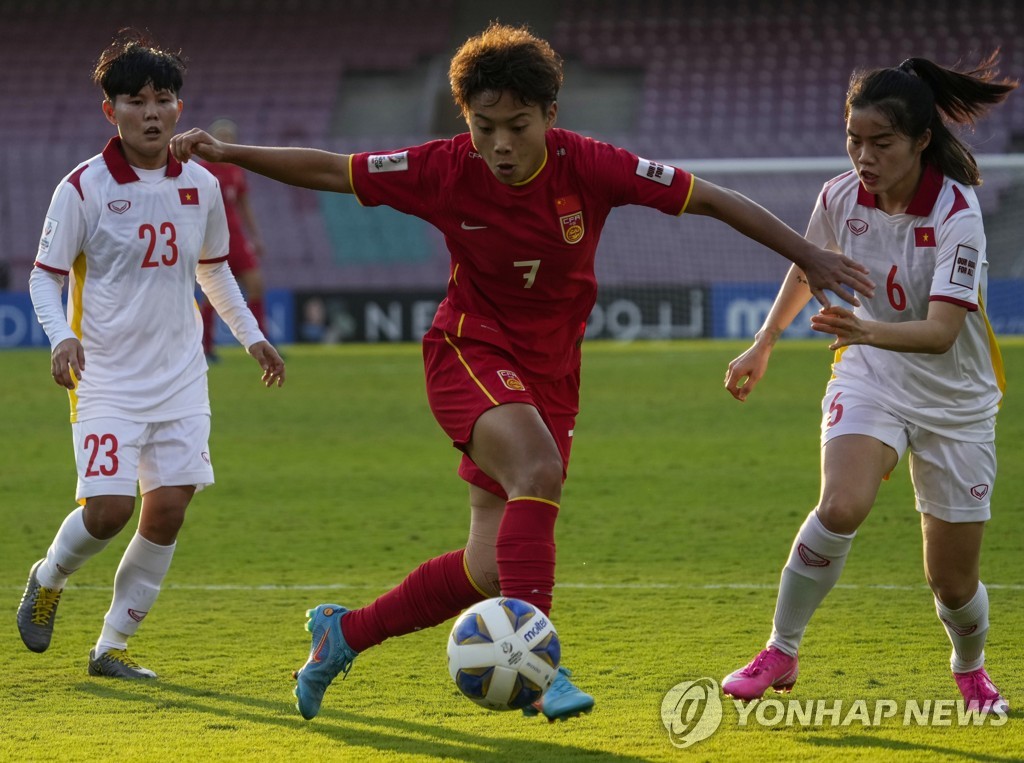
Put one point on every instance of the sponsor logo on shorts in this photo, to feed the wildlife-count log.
(511, 380)
(205, 456)
(812, 558)
(388, 162)
(979, 491)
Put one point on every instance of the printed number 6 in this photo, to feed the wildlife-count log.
(897, 297)
(835, 408)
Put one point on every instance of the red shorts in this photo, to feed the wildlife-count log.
(466, 377)
(241, 255)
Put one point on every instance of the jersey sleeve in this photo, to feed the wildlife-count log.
(216, 240)
(625, 178)
(959, 260)
(64, 230)
(819, 230)
(408, 180)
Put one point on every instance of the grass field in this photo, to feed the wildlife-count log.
(677, 517)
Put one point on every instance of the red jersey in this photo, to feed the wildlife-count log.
(522, 257)
(232, 187)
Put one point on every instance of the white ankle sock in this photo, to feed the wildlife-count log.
(72, 547)
(815, 562)
(967, 629)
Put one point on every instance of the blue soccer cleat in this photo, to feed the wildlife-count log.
(562, 700)
(328, 656)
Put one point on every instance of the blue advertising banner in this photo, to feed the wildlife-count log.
(19, 327)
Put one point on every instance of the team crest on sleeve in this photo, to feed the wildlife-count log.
(964, 264)
(388, 162)
(570, 218)
(511, 380)
(659, 173)
(49, 229)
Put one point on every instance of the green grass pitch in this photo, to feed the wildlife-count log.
(676, 519)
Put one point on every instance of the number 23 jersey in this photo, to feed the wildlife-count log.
(130, 241)
(934, 251)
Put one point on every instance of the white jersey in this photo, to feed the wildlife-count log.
(131, 241)
(933, 251)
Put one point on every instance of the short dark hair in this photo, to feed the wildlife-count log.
(133, 61)
(506, 59)
(919, 95)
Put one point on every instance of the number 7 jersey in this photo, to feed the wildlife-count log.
(130, 241)
(935, 251)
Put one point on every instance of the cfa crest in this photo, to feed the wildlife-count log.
(511, 380)
(572, 227)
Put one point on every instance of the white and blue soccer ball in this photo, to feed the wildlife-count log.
(503, 653)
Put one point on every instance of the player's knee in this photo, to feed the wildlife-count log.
(105, 516)
(952, 589)
(541, 477)
(842, 514)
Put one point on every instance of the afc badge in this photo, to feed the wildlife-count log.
(511, 380)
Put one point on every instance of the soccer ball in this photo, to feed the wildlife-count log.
(503, 653)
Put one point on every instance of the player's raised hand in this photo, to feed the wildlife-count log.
(199, 143)
(67, 362)
(270, 361)
(839, 274)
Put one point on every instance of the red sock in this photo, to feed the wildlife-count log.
(256, 308)
(526, 551)
(429, 595)
(207, 312)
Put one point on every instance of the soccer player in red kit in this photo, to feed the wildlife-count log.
(521, 204)
(245, 248)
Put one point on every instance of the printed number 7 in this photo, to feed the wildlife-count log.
(531, 274)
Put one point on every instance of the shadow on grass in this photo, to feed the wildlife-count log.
(892, 745)
(348, 728)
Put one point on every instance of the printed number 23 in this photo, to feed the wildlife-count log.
(169, 256)
(530, 275)
(105, 445)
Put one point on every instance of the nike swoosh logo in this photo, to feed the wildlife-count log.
(316, 657)
(472, 227)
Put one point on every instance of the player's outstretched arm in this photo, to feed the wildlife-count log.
(823, 269)
(270, 361)
(303, 167)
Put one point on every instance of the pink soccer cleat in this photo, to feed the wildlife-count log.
(980, 693)
(771, 669)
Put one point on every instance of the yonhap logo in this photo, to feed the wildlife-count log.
(691, 711)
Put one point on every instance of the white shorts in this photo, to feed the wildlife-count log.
(952, 479)
(115, 455)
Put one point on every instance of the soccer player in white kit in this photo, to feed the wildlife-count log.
(133, 230)
(916, 366)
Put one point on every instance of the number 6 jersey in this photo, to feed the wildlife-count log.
(933, 251)
(130, 240)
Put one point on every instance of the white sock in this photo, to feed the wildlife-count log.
(136, 586)
(967, 629)
(72, 547)
(815, 562)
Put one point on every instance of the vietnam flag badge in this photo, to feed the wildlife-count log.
(188, 196)
(924, 236)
